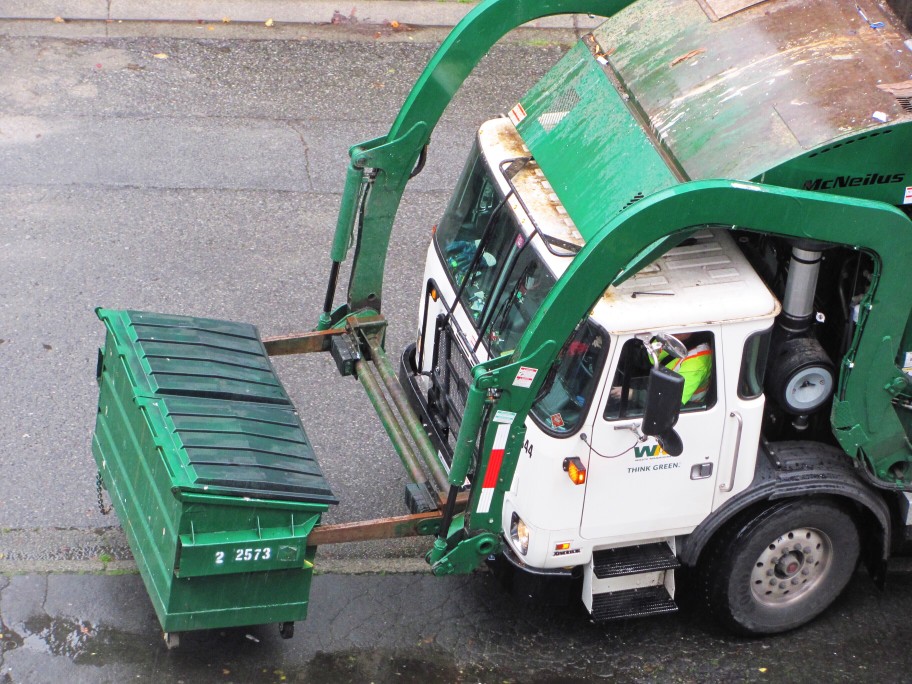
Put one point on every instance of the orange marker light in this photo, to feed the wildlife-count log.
(576, 470)
(563, 546)
(434, 294)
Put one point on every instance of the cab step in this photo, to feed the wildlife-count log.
(631, 581)
(629, 560)
(632, 603)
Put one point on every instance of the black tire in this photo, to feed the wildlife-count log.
(778, 569)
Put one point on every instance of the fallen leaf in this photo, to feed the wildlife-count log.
(394, 23)
(269, 23)
(210, 28)
(226, 20)
(762, 669)
(135, 67)
(377, 34)
(160, 55)
(59, 20)
(46, 346)
(226, 671)
(692, 53)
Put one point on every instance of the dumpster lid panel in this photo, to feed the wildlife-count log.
(189, 356)
(239, 448)
(218, 412)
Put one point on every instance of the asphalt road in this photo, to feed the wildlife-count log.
(202, 177)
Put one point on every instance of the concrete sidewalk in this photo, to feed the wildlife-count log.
(367, 12)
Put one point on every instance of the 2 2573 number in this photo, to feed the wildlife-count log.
(245, 555)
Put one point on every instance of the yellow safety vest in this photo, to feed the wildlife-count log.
(696, 369)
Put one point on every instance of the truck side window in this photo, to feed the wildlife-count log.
(753, 365)
(567, 392)
(627, 396)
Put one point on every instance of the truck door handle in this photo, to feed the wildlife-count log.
(734, 470)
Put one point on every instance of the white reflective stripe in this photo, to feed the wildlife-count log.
(484, 501)
(500, 438)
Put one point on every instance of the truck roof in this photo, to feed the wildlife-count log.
(812, 94)
(704, 280)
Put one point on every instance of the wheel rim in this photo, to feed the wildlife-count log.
(791, 566)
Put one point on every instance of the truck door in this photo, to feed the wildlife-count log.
(634, 488)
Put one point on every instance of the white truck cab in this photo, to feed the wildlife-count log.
(624, 489)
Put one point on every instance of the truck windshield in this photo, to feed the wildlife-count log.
(506, 282)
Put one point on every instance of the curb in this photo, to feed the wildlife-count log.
(354, 12)
(106, 551)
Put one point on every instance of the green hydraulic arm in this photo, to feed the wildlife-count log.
(379, 169)
(863, 417)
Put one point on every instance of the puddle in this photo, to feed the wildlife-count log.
(81, 642)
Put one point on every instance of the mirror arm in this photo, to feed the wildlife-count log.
(634, 428)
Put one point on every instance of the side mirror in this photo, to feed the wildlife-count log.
(663, 406)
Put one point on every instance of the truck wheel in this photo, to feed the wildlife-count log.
(776, 570)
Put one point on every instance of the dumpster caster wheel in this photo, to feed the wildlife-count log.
(172, 640)
(286, 630)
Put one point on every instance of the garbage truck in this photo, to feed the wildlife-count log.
(663, 334)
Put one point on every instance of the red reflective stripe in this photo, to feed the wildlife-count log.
(490, 478)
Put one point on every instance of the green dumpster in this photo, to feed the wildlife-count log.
(209, 469)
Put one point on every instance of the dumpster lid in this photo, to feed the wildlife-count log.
(219, 413)
(218, 446)
(200, 357)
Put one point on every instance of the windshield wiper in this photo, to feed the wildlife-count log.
(506, 304)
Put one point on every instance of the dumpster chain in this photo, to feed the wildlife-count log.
(99, 485)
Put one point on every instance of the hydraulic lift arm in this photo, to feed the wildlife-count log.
(379, 169)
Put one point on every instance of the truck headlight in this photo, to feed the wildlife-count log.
(519, 532)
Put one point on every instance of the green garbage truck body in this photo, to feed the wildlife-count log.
(664, 321)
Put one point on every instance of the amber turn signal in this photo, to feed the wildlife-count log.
(575, 469)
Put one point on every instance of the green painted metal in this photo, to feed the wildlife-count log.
(216, 493)
(475, 535)
(347, 213)
(575, 107)
(638, 124)
(770, 82)
(393, 157)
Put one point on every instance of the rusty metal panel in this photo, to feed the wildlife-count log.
(737, 97)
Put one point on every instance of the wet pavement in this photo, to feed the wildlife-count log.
(417, 628)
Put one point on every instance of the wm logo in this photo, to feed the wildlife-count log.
(649, 451)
